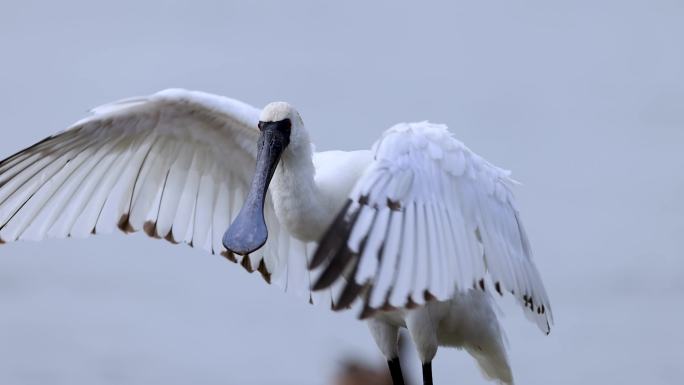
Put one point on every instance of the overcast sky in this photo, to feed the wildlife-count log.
(583, 100)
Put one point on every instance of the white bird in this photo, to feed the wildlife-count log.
(417, 228)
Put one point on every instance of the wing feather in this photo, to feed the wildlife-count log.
(85, 178)
(112, 166)
(150, 185)
(459, 228)
(205, 206)
(31, 197)
(388, 259)
(23, 184)
(183, 225)
(373, 246)
(401, 292)
(173, 188)
(116, 209)
(175, 164)
(221, 215)
(17, 201)
(421, 262)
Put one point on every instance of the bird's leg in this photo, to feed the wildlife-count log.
(422, 327)
(395, 371)
(427, 373)
(386, 336)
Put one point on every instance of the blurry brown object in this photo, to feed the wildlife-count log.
(357, 373)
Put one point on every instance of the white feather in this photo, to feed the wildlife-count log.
(459, 225)
(177, 161)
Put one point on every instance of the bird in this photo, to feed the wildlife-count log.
(418, 232)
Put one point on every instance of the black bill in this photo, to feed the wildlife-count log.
(248, 231)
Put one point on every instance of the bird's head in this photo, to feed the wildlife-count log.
(281, 133)
(282, 115)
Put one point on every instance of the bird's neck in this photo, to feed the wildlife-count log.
(297, 200)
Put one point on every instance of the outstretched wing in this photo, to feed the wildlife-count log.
(175, 164)
(428, 218)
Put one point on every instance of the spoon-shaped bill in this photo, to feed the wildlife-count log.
(248, 231)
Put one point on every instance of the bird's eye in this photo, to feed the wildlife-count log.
(286, 127)
(260, 125)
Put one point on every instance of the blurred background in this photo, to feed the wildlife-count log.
(583, 100)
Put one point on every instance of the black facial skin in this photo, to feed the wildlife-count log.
(248, 231)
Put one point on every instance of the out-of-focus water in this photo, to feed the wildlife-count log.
(583, 100)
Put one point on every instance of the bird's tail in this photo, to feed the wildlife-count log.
(484, 338)
(493, 364)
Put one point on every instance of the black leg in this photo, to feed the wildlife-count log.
(395, 371)
(427, 373)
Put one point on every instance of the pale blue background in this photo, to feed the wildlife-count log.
(584, 100)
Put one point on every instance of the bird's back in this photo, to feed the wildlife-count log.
(337, 172)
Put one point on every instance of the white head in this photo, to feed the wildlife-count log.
(284, 114)
(282, 135)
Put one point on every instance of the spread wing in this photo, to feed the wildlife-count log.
(427, 219)
(175, 164)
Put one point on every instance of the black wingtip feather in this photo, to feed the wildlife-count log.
(349, 294)
(334, 237)
(497, 286)
(334, 269)
(265, 274)
(247, 264)
(229, 256)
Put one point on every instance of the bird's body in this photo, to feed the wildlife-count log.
(465, 321)
(416, 227)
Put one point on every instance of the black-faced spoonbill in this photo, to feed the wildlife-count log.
(416, 228)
